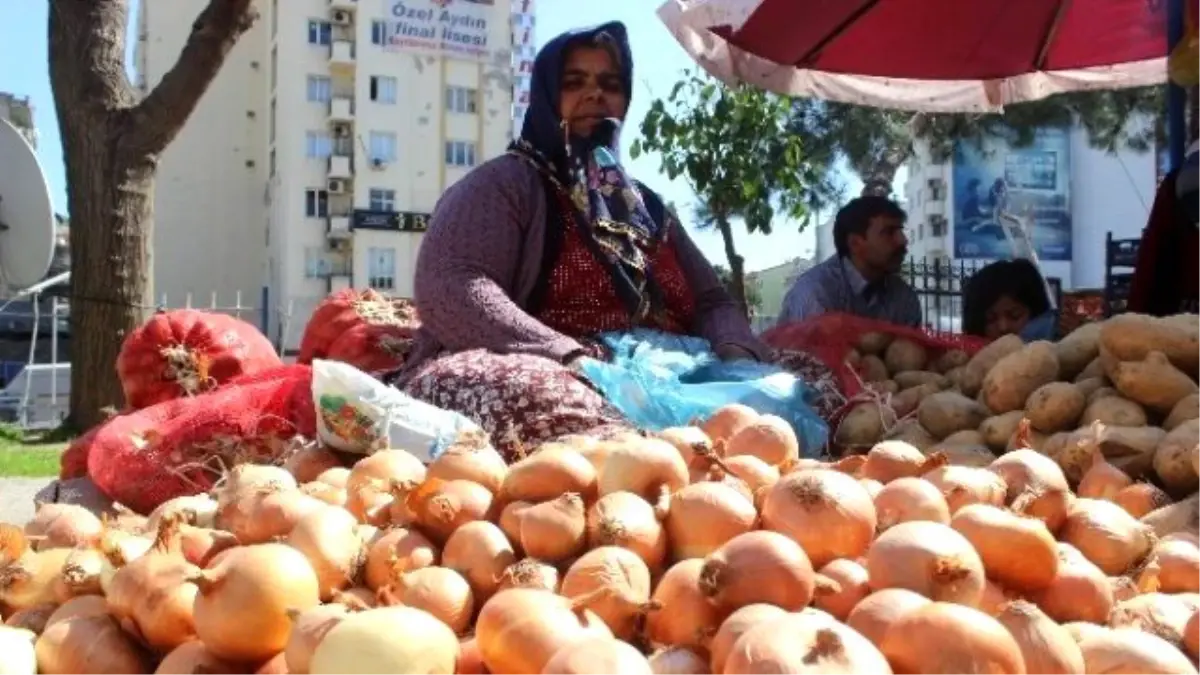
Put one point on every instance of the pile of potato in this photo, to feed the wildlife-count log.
(1126, 385)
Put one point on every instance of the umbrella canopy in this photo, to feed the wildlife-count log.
(925, 55)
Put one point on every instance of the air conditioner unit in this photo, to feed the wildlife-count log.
(342, 17)
(336, 186)
(378, 163)
(341, 130)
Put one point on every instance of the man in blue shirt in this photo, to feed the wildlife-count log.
(862, 278)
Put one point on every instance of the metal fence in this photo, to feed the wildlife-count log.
(35, 352)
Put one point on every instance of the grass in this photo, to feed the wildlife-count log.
(30, 454)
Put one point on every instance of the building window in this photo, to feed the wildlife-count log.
(319, 32)
(381, 268)
(317, 144)
(379, 32)
(461, 100)
(460, 153)
(319, 88)
(316, 203)
(937, 227)
(382, 200)
(383, 89)
(316, 265)
(382, 145)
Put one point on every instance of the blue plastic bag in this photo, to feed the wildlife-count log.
(658, 380)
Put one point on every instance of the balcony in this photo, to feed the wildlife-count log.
(341, 166)
(341, 54)
(935, 207)
(341, 109)
(345, 5)
(335, 264)
(339, 226)
(339, 283)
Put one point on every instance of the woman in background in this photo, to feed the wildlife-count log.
(1008, 297)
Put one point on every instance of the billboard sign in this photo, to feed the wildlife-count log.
(1032, 183)
(457, 28)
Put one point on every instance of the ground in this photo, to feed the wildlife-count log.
(27, 463)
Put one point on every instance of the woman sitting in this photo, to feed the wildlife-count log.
(536, 252)
(1008, 298)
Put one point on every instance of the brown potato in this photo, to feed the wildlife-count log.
(904, 355)
(863, 425)
(977, 368)
(1188, 408)
(946, 412)
(1093, 369)
(907, 400)
(1055, 406)
(1173, 459)
(874, 343)
(1113, 410)
(872, 369)
(910, 431)
(997, 430)
(949, 360)
(1154, 382)
(1009, 383)
(1077, 349)
(1132, 337)
(1090, 385)
(1130, 449)
(916, 378)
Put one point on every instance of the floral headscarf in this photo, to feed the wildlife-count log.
(592, 189)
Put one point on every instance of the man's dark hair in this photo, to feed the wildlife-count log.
(855, 218)
(1018, 279)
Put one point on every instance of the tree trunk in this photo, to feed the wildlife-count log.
(111, 144)
(881, 174)
(737, 268)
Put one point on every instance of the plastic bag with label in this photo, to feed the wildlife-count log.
(357, 413)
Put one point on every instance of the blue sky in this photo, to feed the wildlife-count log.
(659, 61)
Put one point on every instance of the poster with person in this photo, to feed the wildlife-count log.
(1007, 198)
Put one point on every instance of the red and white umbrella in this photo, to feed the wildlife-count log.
(925, 55)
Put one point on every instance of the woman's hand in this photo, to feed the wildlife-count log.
(732, 352)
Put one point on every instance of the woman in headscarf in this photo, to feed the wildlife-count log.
(1008, 297)
(535, 252)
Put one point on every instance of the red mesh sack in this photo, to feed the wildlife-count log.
(831, 337)
(301, 411)
(73, 462)
(181, 447)
(342, 311)
(186, 352)
(373, 347)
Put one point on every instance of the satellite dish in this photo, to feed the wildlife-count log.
(26, 214)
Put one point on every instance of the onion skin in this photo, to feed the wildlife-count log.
(962, 485)
(967, 641)
(191, 657)
(1037, 486)
(308, 629)
(89, 644)
(1107, 535)
(1126, 650)
(727, 421)
(769, 438)
(1080, 591)
(805, 642)
(63, 526)
(530, 573)
(906, 499)
(927, 558)
(827, 512)
(440, 591)
(840, 586)
(1191, 635)
(759, 567)
(682, 614)
(372, 477)
(878, 611)
(472, 459)
(520, 629)
(556, 530)
(626, 520)
(677, 661)
(1046, 647)
(733, 627)
(546, 474)
(1017, 552)
(328, 539)
(1141, 499)
(704, 516)
(396, 551)
(241, 611)
(891, 460)
(597, 655)
(624, 584)
(1173, 568)
(480, 552)
(387, 640)
(1156, 613)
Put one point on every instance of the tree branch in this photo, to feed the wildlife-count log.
(87, 56)
(155, 122)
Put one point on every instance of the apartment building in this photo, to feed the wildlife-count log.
(314, 161)
(19, 113)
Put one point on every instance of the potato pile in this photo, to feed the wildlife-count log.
(1125, 387)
